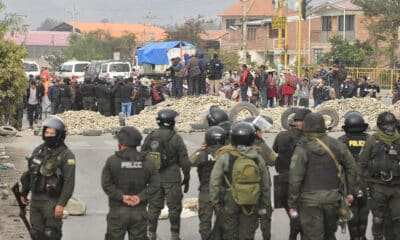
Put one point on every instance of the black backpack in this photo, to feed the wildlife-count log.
(160, 145)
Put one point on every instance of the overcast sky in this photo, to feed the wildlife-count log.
(160, 12)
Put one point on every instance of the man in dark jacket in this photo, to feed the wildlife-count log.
(194, 76)
(215, 74)
(124, 93)
(33, 98)
(203, 68)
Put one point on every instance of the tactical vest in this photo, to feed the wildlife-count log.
(286, 150)
(204, 170)
(385, 160)
(133, 177)
(88, 90)
(63, 92)
(321, 172)
(161, 143)
(45, 171)
(354, 143)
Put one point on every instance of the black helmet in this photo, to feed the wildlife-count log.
(227, 127)
(166, 118)
(215, 135)
(314, 123)
(387, 122)
(300, 114)
(243, 133)
(216, 115)
(354, 122)
(56, 123)
(129, 136)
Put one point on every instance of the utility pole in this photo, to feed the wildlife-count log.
(73, 13)
(245, 29)
(280, 15)
(299, 39)
(286, 36)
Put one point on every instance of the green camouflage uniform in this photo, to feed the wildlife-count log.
(358, 224)
(64, 96)
(236, 224)
(376, 158)
(170, 178)
(284, 145)
(128, 172)
(89, 96)
(270, 158)
(58, 161)
(314, 184)
(103, 97)
(204, 160)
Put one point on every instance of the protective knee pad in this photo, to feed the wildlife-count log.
(377, 220)
(36, 234)
(51, 234)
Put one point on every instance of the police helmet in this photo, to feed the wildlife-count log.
(216, 116)
(129, 136)
(300, 114)
(215, 135)
(291, 122)
(314, 123)
(387, 122)
(354, 122)
(57, 124)
(166, 118)
(243, 133)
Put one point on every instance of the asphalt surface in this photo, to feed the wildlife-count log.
(91, 154)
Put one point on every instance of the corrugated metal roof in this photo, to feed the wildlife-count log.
(40, 38)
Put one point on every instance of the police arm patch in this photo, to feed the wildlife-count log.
(71, 161)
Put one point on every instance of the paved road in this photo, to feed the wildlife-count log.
(91, 153)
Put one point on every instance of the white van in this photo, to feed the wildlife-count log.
(71, 69)
(31, 68)
(110, 70)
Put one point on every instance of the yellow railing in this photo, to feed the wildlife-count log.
(385, 77)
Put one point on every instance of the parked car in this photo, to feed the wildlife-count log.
(113, 69)
(72, 69)
(93, 70)
(31, 67)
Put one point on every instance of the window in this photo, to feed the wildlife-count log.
(349, 23)
(30, 67)
(104, 68)
(318, 53)
(230, 22)
(80, 67)
(251, 34)
(326, 23)
(119, 67)
(66, 68)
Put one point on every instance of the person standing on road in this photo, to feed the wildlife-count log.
(177, 70)
(284, 145)
(174, 157)
(239, 184)
(215, 68)
(246, 79)
(204, 160)
(53, 93)
(129, 179)
(354, 139)
(51, 180)
(379, 163)
(103, 98)
(194, 74)
(203, 75)
(64, 96)
(315, 180)
(33, 96)
(125, 93)
(88, 95)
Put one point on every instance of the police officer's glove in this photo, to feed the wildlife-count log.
(185, 182)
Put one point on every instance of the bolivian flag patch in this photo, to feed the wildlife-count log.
(71, 161)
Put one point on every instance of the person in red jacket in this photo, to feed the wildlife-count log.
(288, 89)
(244, 82)
(272, 91)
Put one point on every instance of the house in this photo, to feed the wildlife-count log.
(328, 19)
(143, 32)
(41, 43)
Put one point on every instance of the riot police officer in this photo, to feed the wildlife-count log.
(64, 96)
(240, 205)
(129, 179)
(50, 178)
(354, 139)
(89, 95)
(103, 97)
(173, 157)
(284, 145)
(379, 162)
(261, 125)
(204, 160)
(218, 117)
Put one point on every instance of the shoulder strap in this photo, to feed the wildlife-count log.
(329, 151)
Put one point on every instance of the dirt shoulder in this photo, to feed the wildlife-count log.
(11, 226)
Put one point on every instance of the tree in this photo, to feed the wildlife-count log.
(189, 31)
(386, 28)
(13, 81)
(348, 54)
(48, 24)
(99, 45)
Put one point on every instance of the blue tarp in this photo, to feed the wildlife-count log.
(156, 53)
